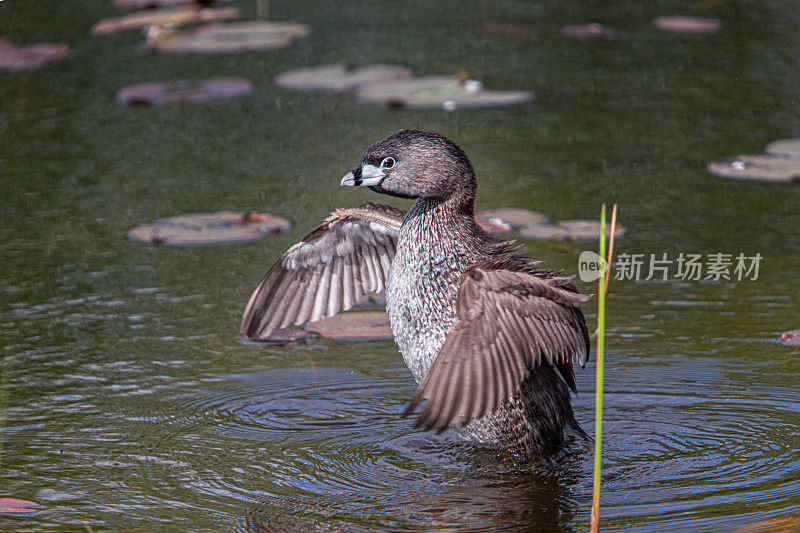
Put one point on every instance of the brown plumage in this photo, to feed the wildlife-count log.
(489, 336)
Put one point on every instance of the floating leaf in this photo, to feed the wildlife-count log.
(372, 326)
(15, 507)
(492, 224)
(448, 93)
(785, 148)
(593, 30)
(232, 37)
(688, 24)
(177, 17)
(161, 92)
(786, 524)
(282, 337)
(545, 232)
(514, 216)
(758, 167)
(132, 5)
(588, 230)
(339, 78)
(209, 228)
(14, 58)
(791, 337)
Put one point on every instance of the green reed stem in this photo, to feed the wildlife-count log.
(598, 405)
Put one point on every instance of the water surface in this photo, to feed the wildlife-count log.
(129, 404)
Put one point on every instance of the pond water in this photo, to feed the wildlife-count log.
(128, 403)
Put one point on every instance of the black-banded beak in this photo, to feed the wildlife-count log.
(364, 176)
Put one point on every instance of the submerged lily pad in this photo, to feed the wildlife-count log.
(758, 167)
(588, 230)
(785, 148)
(14, 58)
(283, 337)
(15, 507)
(161, 92)
(209, 228)
(449, 93)
(791, 337)
(232, 37)
(371, 326)
(338, 77)
(593, 30)
(688, 24)
(178, 17)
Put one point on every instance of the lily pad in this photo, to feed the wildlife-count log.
(371, 326)
(492, 224)
(209, 228)
(14, 58)
(588, 230)
(15, 507)
(338, 77)
(448, 93)
(132, 5)
(545, 232)
(283, 337)
(785, 148)
(514, 216)
(688, 24)
(161, 92)
(177, 17)
(232, 37)
(593, 30)
(791, 337)
(758, 167)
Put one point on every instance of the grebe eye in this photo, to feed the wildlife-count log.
(388, 162)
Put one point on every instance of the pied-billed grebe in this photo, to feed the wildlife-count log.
(489, 337)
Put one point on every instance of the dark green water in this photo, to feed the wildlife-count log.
(129, 404)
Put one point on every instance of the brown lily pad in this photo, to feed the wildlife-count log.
(283, 337)
(135, 5)
(688, 24)
(338, 77)
(15, 507)
(14, 58)
(791, 337)
(784, 524)
(545, 232)
(514, 216)
(209, 228)
(588, 230)
(785, 148)
(448, 93)
(593, 30)
(758, 167)
(231, 37)
(161, 92)
(177, 17)
(492, 224)
(371, 326)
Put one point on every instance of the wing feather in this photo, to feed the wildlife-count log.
(328, 271)
(510, 318)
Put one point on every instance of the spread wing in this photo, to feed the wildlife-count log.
(328, 271)
(510, 318)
